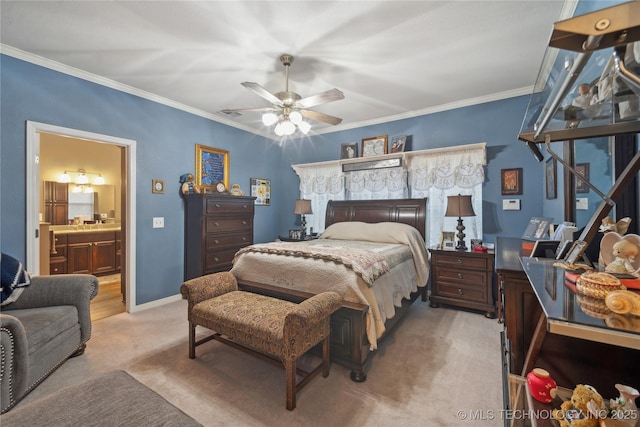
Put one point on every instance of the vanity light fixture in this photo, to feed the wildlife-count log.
(82, 178)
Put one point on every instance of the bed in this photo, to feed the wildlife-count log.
(368, 254)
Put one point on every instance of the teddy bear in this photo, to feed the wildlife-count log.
(625, 252)
(188, 186)
(579, 411)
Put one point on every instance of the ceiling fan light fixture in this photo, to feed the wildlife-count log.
(304, 127)
(288, 128)
(269, 118)
(295, 117)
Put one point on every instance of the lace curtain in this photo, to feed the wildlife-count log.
(388, 183)
(443, 173)
(320, 183)
(434, 174)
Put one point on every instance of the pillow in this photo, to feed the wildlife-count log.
(14, 278)
(381, 232)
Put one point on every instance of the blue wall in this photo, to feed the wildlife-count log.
(166, 140)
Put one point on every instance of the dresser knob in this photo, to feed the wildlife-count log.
(244, 222)
(460, 291)
(245, 206)
(217, 205)
(216, 259)
(216, 224)
(459, 275)
(459, 261)
(55, 269)
(216, 241)
(244, 239)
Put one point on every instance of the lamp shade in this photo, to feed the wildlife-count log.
(303, 207)
(459, 206)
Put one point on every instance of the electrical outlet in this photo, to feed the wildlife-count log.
(158, 222)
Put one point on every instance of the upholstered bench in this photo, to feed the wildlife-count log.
(267, 327)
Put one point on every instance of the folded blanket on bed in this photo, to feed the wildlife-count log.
(367, 264)
(389, 232)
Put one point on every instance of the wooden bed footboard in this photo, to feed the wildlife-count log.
(349, 343)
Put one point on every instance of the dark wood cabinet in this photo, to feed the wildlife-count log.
(56, 202)
(463, 279)
(216, 226)
(570, 360)
(92, 252)
(58, 257)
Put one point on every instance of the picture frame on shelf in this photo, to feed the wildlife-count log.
(448, 240)
(261, 190)
(575, 253)
(398, 143)
(157, 186)
(551, 171)
(374, 146)
(511, 181)
(582, 169)
(349, 150)
(212, 167)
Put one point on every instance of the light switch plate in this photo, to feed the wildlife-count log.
(158, 222)
(511, 204)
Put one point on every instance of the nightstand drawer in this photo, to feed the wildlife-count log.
(463, 293)
(460, 276)
(463, 261)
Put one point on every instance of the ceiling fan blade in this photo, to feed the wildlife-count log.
(320, 98)
(321, 117)
(262, 92)
(249, 110)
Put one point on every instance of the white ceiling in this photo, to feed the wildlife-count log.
(392, 59)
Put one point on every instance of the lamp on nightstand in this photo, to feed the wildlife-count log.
(460, 206)
(303, 207)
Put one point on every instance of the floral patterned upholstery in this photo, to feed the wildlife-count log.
(279, 328)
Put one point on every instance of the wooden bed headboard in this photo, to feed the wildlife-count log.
(406, 211)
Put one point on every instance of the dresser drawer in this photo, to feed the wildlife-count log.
(218, 260)
(461, 276)
(214, 242)
(463, 261)
(217, 225)
(462, 292)
(228, 207)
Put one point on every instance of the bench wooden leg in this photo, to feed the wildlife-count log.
(290, 374)
(326, 359)
(192, 340)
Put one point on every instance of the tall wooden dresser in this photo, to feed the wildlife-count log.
(216, 226)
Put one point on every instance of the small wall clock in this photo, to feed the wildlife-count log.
(157, 186)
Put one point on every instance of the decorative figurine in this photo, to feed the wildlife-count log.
(625, 253)
(188, 186)
(624, 407)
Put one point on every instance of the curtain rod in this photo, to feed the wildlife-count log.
(394, 155)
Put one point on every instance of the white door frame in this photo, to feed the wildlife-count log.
(33, 197)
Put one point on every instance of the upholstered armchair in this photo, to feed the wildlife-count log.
(49, 322)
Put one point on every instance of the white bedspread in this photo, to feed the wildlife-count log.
(406, 272)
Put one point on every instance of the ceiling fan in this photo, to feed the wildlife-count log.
(288, 108)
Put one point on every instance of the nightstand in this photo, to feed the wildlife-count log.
(289, 239)
(463, 279)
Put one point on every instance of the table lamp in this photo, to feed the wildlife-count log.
(460, 206)
(303, 207)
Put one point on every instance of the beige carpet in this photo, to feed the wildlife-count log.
(437, 363)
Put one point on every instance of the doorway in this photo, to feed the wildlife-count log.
(43, 166)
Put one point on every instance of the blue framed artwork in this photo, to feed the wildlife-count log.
(212, 167)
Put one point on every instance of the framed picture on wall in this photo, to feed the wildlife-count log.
(212, 167)
(550, 168)
(511, 181)
(583, 170)
(261, 190)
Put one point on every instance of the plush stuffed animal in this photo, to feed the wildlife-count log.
(578, 412)
(188, 186)
(625, 252)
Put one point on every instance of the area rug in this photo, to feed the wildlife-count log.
(113, 399)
